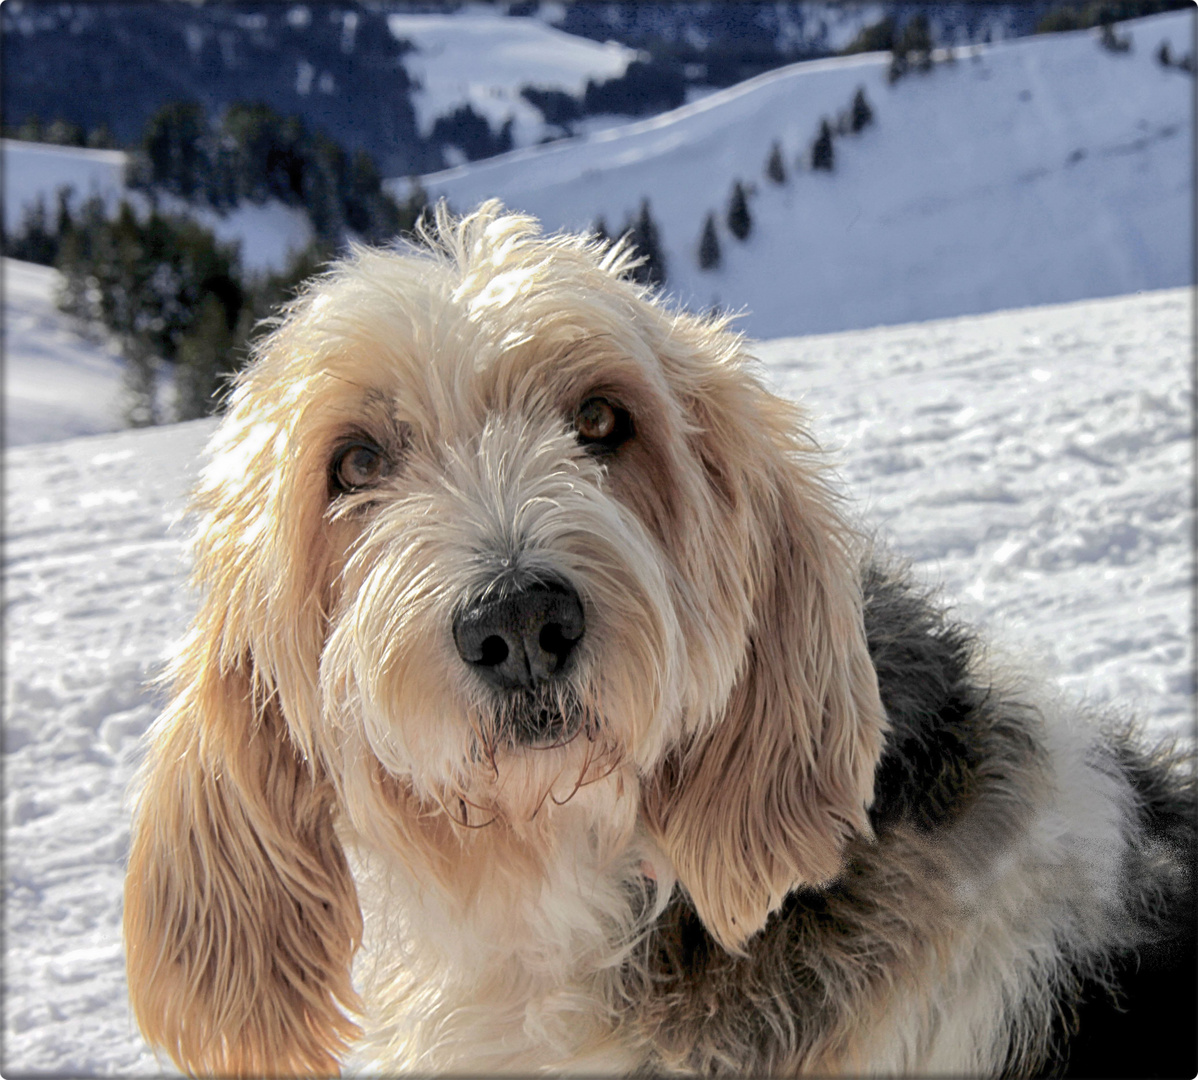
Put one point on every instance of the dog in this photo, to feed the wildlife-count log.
(544, 712)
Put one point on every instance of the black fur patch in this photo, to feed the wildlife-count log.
(928, 770)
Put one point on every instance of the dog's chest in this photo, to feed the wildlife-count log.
(522, 979)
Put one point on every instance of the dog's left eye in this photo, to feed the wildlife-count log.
(602, 426)
(357, 465)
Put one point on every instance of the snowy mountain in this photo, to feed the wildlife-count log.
(1038, 170)
(367, 72)
(1018, 459)
(374, 77)
(483, 61)
(1033, 171)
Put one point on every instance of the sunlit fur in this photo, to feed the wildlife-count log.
(327, 752)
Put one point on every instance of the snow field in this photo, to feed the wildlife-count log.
(1035, 463)
(1039, 465)
(93, 593)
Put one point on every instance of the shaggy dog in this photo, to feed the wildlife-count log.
(532, 629)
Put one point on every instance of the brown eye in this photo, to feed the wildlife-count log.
(356, 466)
(602, 426)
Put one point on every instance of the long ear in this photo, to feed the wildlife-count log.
(765, 799)
(241, 917)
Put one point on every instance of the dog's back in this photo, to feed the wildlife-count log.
(1141, 1020)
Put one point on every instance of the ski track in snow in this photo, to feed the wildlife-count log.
(1035, 463)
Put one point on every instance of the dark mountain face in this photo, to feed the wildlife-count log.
(336, 65)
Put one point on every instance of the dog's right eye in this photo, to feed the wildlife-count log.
(355, 466)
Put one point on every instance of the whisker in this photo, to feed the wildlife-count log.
(464, 822)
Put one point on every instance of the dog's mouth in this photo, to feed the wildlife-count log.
(540, 718)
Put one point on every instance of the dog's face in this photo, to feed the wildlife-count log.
(487, 533)
(516, 515)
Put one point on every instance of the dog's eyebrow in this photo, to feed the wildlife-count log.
(581, 343)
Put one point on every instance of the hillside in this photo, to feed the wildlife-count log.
(57, 383)
(1034, 171)
(1017, 459)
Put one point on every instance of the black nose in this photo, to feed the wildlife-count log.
(523, 638)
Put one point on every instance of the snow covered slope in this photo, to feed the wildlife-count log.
(1035, 171)
(56, 383)
(1036, 463)
(482, 59)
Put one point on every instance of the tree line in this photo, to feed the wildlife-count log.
(177, 300)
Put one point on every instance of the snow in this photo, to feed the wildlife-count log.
(483, 59)
(1041, 170)
(57, 383)
(1035, 463)
(1038, 464)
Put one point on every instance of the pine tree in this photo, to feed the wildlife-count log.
(645, 240)
(599, 230)
(174, 145)
(709, 246)
(861, 114)
(1163, 56)
(822, 155)
(917, 39)
(740, 222)
(139, 387)
(878, 37)
(30, 129)
(64, 133)
(100, 138)
(774, 168)
(1111, 41)
(34, 240)
(204, 357)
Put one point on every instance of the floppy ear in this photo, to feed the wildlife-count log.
(241, 917)
(766, 798)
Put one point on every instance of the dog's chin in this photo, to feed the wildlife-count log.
(532, 752)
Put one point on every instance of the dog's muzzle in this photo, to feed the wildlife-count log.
(521, 639)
